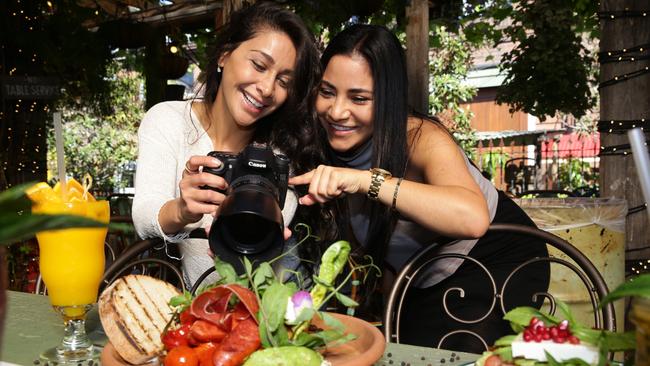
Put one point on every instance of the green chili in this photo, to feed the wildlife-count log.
(332, 263)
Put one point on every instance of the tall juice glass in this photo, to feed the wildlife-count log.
(71, 265)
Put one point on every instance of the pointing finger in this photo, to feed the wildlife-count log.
(302, 179)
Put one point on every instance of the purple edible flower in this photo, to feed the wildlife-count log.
(297, 303)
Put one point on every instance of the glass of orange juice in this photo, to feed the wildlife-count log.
(71, 265)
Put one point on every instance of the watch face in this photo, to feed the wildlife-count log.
(381, 171)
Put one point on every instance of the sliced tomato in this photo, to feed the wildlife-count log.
(243, 340)
(205, 351)
(205, 331)
(173, 338)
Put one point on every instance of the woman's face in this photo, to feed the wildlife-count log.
(256, 76)
(344, 103)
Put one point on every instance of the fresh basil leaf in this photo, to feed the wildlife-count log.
(309, 340)
(638, 286)
(265, 333)
(183, 300)
(282, 337)
(505, 353)
(550, 360)
(331, 321)
(520, 317)
(305, 315)
(248, 267)
(262, 273)
(505, 340)
(345, 300)
(566, 313)
(225, 270)
(274, 303)
(292, 286)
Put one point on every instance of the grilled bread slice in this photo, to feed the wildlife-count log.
(134, 311)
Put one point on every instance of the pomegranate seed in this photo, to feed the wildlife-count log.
(559, 340)
(533, 321)
(553, 331)
(564, 324)
(563, 333)
(537, 337)
(527, 336)
(573, 340)
(546, 336)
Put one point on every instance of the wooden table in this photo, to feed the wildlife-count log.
(31, 326)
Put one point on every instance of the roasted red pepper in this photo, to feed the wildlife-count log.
(204, 331)
(243, 340)
(205, 351)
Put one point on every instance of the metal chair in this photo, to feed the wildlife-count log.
(148, 256)
(603, 318)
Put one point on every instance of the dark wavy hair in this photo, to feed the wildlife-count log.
(385, 56)
(288, 127)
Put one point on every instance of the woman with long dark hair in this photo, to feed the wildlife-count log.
(257, 88)
(400, 182)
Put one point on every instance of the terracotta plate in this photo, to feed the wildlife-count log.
(363, 351)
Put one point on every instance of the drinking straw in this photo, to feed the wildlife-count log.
(60, 161)
(641, 160)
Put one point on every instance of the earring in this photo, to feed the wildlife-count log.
(219, 69)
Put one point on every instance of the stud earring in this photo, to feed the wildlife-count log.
(219, 69)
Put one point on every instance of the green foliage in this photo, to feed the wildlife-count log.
(637, 286)
(549, 69)
(101, 144)
(576, 173)
(448, 67)
(493, 160)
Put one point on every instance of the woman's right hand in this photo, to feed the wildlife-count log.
(195, 201)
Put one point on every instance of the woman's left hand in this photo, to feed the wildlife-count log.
(328, 182)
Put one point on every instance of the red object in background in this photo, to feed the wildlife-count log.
(572, 145)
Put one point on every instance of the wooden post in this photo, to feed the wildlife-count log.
(626, 100)
(417, 54)
(154, 82)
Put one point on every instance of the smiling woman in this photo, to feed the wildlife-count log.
(401, 182)
(256, 89)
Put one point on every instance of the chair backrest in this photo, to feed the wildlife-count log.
(148, 256)
(589, 275)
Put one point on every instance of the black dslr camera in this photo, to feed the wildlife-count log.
(250, 217)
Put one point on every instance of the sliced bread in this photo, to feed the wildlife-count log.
(134, 311)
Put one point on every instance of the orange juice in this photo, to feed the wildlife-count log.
(72, 260)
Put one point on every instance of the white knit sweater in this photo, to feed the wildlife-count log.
(169, 134)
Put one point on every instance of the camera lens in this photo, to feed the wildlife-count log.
(250, 221)
(247, 233)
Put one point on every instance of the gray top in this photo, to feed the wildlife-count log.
(409, 237)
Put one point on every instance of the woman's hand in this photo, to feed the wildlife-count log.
(327, 183)
(195, 201)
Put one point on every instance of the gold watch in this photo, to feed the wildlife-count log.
(378, 176)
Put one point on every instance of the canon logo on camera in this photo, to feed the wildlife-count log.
(256, 165)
